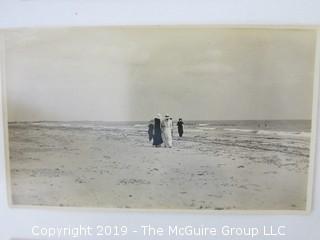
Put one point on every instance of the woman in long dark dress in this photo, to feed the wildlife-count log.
(180, 127)
(157, 139)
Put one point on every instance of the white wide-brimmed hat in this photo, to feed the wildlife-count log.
(158, 116)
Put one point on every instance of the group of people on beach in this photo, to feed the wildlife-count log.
(161, 130)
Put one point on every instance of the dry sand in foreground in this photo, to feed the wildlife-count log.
(118, 168)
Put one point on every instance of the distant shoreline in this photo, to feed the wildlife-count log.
(143, 121)
(275, 127)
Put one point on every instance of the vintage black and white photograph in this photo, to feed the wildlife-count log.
(173, 118)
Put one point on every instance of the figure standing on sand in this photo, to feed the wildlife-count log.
(166, 127)
(157, 139)
(150, 129)
(172, 127)
(180, 127)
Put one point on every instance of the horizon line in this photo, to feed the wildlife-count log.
(300, 119)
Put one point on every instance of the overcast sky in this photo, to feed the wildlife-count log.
(111, 74)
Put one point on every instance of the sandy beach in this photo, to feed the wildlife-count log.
(115, 166)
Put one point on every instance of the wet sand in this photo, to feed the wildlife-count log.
(116, 167)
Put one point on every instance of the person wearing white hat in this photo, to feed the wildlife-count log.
(167, 131)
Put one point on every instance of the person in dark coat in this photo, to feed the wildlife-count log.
(172, 126)
(157, 139)
(180, 127)
(150, 130)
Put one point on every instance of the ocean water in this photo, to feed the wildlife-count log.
(265, 127)
(276, 125)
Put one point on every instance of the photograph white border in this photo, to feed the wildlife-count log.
(314, 120)
(18, 222)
